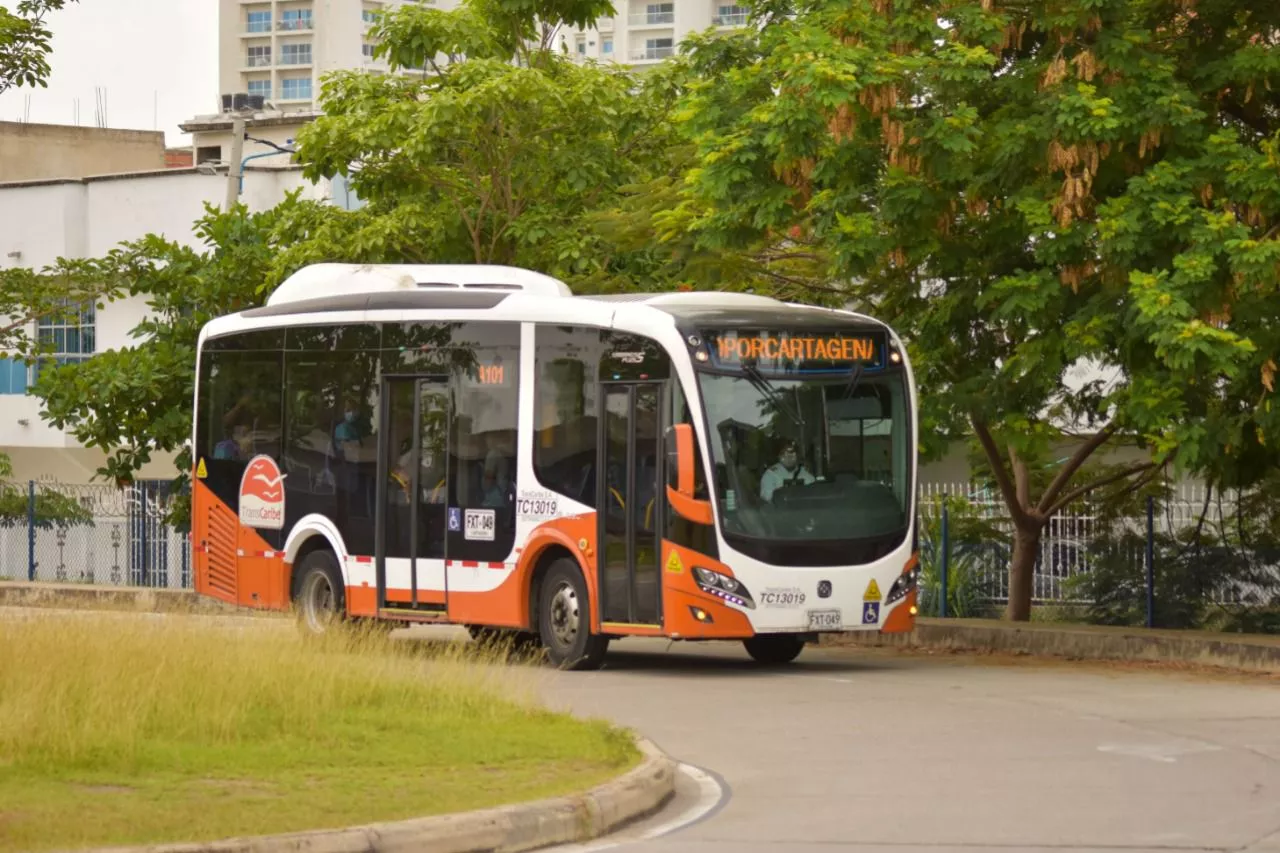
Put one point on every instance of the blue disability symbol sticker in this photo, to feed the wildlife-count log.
(455, 519)
(871, 613)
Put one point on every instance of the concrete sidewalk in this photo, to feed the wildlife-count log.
(142, 599)
(1252, 652)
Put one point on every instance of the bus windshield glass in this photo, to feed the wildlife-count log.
(810, 435)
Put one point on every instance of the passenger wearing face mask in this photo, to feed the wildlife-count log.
(348, 428)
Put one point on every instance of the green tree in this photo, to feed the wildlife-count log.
(24, 43)
(482, 159)
(136, 401)
(1023, 189)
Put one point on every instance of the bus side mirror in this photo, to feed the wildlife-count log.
(680, 458)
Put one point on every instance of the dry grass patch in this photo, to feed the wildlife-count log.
(118, 731)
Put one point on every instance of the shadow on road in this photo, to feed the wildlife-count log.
(704, 660)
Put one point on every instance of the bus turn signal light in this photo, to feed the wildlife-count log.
(700, 614)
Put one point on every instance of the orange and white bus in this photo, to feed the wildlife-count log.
(476, 445)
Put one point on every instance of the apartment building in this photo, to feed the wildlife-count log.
(277, 51)
(644, 32)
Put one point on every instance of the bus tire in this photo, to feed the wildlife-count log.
(321, 603)
(774, 649)
(564, 619)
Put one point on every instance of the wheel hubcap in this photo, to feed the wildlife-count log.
(317, 602)
(564, 615)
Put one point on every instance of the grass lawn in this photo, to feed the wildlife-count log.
(133, 731)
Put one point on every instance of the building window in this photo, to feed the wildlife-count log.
(367, 49)
(582, 47)
(606, 46)
(730, 16)
(659, 48)
(260, 87)
(13, 376)
(295, 54)
(295, 19)
(258, 56)
(295, 89)
(369, 16)
(654, 14)
(66, 337)
(259, 22)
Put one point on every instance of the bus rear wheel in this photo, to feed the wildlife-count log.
(320, 600)
(774, 649)
(564, 619)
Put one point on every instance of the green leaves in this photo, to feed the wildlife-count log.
(1069, 210)
(24, 43)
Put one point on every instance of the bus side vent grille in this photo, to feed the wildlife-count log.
(223, 537)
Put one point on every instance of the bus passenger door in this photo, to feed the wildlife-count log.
(412, 516)
(629, 503)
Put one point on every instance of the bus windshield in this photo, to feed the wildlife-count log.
(823, 458)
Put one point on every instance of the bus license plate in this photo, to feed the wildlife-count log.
(824, 619)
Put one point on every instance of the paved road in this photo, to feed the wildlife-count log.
(862, 750)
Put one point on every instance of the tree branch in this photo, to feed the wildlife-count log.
(1021, 480)
(1016, 510)
(1080, 492)
(1082, 454)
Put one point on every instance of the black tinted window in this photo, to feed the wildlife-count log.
(567, 361)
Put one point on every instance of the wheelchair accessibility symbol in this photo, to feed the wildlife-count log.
(455, 519)
(871, 613)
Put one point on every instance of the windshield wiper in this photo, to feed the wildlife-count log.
(855, 376)
(770, 392)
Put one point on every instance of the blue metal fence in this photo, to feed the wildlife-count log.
(93, 534)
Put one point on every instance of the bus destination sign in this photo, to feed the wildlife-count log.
(791, 352)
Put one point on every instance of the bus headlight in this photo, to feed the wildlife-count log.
(723, 587)
(904, 584)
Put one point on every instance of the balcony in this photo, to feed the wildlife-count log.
(652, 54)
(293, 60)
(651, 19)
(294, 25)
(737, 19)
(257, 61)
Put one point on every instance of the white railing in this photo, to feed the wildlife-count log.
(651, 19)
(652, 53)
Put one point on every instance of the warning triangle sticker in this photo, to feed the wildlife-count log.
(873, 591)
(673, 563)
(201, 471)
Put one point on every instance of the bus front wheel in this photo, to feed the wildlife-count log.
(774, 648)
(564, 619)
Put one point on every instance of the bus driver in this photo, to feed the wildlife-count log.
(785, 471)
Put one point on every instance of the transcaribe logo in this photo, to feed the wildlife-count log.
(262, 494)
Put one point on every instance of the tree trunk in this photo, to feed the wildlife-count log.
(1026, 545)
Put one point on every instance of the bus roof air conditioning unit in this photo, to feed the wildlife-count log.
(321, 280)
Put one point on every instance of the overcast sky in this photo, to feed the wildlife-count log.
(156, 59)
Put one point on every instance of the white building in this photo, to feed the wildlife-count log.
(41, 221)
(644, 33)
(279, 50)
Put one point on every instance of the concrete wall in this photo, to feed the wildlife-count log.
(32, 152)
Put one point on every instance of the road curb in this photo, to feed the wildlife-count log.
(606, 808)
(1253, 653)
(138, 599)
